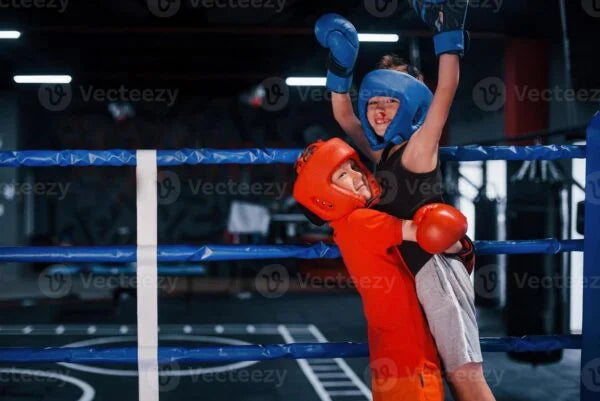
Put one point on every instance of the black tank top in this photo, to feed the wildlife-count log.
(403, 192)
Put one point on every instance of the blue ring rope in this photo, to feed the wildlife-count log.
(213, 253)
(120, 157)
(62, 270)
(238, 353)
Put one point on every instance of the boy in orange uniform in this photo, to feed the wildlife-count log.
(334, 185)
(399, 126)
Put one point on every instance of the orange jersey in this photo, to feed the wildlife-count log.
(403, 357)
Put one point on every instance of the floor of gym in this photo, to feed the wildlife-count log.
(229, 319)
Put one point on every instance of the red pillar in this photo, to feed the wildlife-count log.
(526, 76)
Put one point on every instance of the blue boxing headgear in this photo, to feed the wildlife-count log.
(415, 99)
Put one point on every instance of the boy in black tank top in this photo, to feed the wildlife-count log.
(399, 128)
(405, 192)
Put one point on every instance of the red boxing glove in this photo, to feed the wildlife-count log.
(439, 226)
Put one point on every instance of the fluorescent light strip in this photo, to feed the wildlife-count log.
(305, 81)
(10, 34)
(42, 79)
(378, 37)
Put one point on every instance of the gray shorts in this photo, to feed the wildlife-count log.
(446, 293)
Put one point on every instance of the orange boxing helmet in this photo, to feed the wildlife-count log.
(314, 188)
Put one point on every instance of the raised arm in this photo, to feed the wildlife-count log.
(337, 34)
(421, 154)
(447, 20)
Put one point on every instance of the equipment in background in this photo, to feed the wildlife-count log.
(536, 300)
(490, 270)
(580, 217)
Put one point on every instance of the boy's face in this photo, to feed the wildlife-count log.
(381, 110)
(351, 178)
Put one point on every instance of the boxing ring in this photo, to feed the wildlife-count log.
(147, 253)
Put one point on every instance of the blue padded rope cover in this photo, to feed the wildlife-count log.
(211, 253)
(238, 353)
(119, 157)
(187, 270)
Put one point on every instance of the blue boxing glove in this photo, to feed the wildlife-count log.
(337, 34)
(447, 19)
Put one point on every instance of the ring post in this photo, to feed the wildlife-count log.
(590, 351)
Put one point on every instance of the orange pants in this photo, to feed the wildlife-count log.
(427, 386)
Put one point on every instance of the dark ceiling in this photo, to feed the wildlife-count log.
(228, 49)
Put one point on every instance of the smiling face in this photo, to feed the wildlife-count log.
(351, 178)
(381, 110)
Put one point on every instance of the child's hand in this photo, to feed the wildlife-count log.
(447, 20)
(439, 227)
(337, 34)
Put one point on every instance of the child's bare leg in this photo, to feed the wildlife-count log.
(468, 383)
